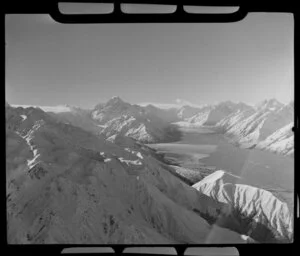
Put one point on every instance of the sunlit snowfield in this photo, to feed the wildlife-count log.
(202, 147)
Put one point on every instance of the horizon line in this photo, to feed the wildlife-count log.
(144, 104)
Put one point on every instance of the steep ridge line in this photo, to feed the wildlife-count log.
(253, 211)
(247, 126)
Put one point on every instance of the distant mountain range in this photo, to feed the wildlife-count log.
(247, 126)
(261, 127)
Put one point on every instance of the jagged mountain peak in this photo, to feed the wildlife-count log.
(269, 104)
(115, 100)
(116, 103)
(223, 105)
(233, 105)
(187, 111)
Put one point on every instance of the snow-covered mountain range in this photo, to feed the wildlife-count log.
(116, 117)
(244, 125)
(71, 184)
(267, 125)
(261, 127)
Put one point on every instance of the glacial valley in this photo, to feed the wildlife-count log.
(128, 174)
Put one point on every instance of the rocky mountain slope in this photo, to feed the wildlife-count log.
(281, 141)
(76, 116)
(212, 114)
(68, 185)
(252, 127)
(256, 212)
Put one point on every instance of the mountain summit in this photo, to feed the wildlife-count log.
(115, 100)
(269, 104)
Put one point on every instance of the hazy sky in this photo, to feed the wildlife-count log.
(48, 63)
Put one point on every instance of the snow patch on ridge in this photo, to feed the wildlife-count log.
(112, 138)
(260, 204)
(24, 117)
(128, 162)
(31, 163)
(138, 154)
(281, 141)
